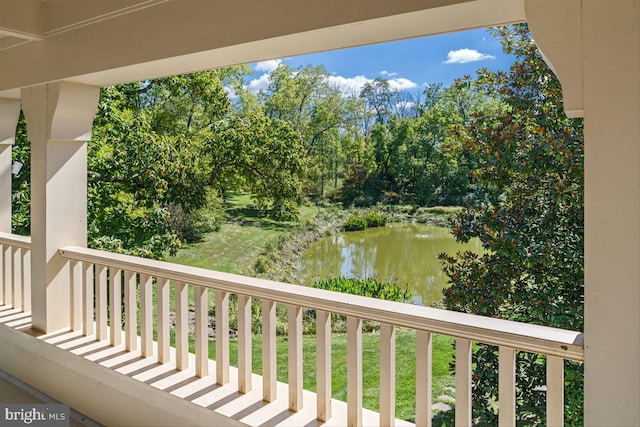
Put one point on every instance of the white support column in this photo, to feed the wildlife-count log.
(612, 212)
(607, 37)
(59, 119)
(9, 115)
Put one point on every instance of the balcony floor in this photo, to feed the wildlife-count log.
(12, 390)
(247, 408)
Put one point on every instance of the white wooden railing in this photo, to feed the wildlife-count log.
(89, 265)
(15, 271)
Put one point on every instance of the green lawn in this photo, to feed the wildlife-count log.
(237, 246)
(405, 366)
(233, 249)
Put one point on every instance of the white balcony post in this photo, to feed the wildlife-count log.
(59, 118)
(354, 371)
(594, 48)
(464, 375)
(9, 114)
(612, 212)
(424, 378)
(323, 364)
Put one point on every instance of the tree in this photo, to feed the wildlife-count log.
(261, 154)
(186, 104)
(21, 183)
(319, 112)
(415, 158)
(533, 271)
(380, 98)
(161, 151)
(135, 174)
(456, 106)
(159, 147)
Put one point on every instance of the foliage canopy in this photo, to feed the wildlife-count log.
(533, 270)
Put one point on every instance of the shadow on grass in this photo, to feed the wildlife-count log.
(250, 216)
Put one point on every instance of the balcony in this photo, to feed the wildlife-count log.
(120, 342)
(57, 54)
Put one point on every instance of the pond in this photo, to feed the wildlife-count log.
(405, 251)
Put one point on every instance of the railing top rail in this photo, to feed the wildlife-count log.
(15, 240)
(523, 336)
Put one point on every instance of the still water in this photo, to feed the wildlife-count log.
(405, 251)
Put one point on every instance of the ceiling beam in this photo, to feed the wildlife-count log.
(67, 15)
(23, 19)
(183, 36)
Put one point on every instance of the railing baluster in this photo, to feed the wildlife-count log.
(26, 280)
(115, 297)
(269, 374)
(323, 362)
(294, 319)
(17, 277)
(555, 391)
(463, 382)
(130, 311)
(244, 344)
(182, 326)
(387, 375)
(508, 334)
(2, 268)
(354, 371)
(101, 302)
(424, 379)
(8, 273)
(222, 337)
(146, 315)
(507, 387)
(202, 331)
(88, 325)
(162, 300)
(75, 279)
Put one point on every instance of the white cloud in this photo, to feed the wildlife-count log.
(462, 56)
(268, 66)
(387, 73)
(261, 83)
(348, 84)
(401, 84)
(230, 91)
(406, 105)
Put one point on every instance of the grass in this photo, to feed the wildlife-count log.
(405, 366)
(235, 249)
(240, 241)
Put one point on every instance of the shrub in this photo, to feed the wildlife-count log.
(355, 223)
(284, 210)
(370, 219)
(360, 188)
(390, 290)
(363, 201)
(374, 219)
(190, 227)
(408, 209)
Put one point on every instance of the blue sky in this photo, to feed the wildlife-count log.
(408, 65)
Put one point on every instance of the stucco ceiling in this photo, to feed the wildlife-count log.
(107, 42)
